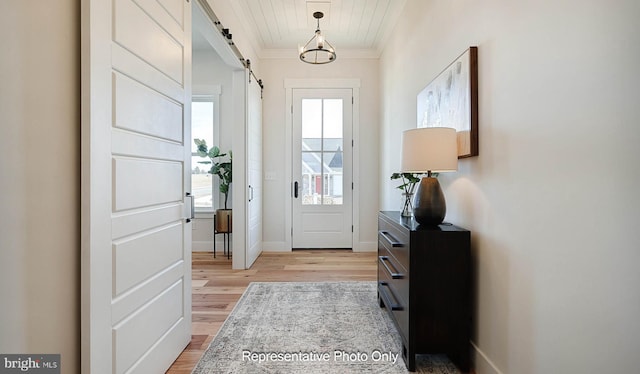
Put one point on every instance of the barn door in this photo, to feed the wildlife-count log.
(254, 172)
(136, 232)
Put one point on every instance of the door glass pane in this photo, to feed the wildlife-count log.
(321, 155)
(332, 145)
(332, 122)
(332, 180)
(311, 124)
(311, 184)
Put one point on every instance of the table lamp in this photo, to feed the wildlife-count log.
(427, 150)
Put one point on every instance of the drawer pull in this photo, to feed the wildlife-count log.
(390, 239)
(385, 296)
(394, 274)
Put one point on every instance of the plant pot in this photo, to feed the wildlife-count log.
(223, 220)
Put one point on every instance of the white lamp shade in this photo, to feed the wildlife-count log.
(429, 149)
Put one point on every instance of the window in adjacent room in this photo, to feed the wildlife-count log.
(203, 114)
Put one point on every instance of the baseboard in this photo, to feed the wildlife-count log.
(482, 363)
(282, 247)
(366, 247)
(275, 247)
(207, 246)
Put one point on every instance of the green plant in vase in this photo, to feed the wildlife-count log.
(408, 186)
(222, 167)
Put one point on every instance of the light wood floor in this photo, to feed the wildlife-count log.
(217, 288)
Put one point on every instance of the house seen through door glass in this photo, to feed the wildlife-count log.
(321, 153)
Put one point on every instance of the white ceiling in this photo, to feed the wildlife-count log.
(353, 27)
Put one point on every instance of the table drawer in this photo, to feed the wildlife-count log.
(390, 271)
(394, 304)
(393, 288)
(396, 240)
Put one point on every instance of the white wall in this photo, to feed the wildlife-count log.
(552, 199)
(210, 71)
(277, 190)
(39, 179)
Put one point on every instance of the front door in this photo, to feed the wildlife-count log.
(136, 232)
(322, 168)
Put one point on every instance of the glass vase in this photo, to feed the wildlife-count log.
(407, 207)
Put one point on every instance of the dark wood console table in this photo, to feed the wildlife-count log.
(424, 282)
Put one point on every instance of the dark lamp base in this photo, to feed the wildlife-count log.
(429, 207)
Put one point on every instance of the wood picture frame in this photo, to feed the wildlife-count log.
(451, 100)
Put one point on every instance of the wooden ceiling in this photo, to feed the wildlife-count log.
(353, 27)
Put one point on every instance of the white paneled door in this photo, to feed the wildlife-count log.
(322, 168)
(254, 172)
(136, 231)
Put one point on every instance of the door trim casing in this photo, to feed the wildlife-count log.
(354, 85)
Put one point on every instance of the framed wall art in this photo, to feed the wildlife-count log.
(451, 100)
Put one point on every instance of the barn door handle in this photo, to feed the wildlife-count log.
(192, 213)
(295, 189)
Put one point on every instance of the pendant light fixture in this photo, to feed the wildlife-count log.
(317, 50)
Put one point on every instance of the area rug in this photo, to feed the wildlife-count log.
(311, 327)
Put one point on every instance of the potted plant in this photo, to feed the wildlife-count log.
(408, 186)
(221, 167)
